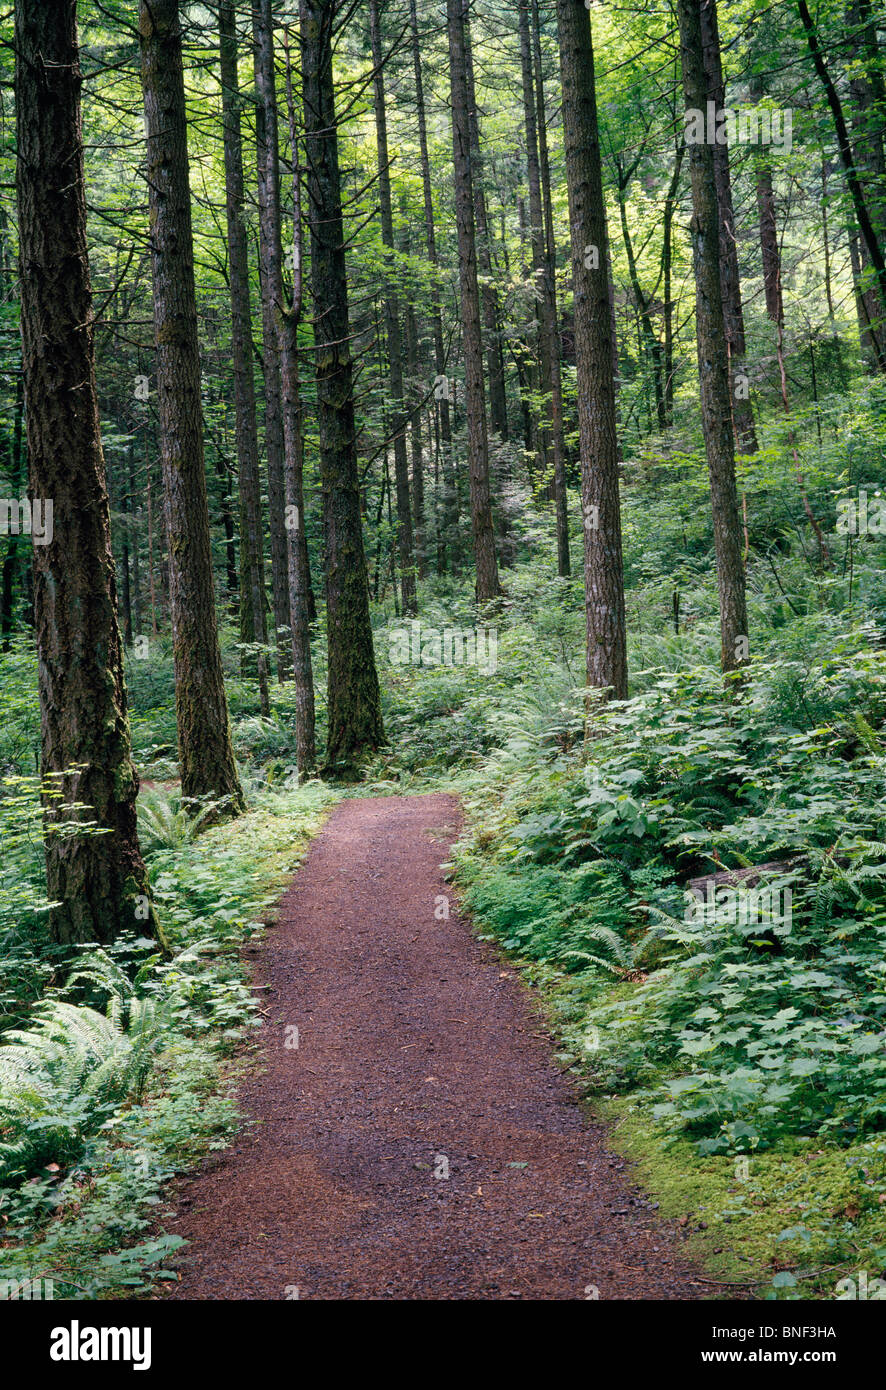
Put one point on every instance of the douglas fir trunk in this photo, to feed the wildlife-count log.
(354, 702)
(204, 735)
(97, 880)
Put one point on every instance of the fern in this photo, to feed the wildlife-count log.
(166, 822)
(61, 1077)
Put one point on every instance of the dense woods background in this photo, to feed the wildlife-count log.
(479, 394)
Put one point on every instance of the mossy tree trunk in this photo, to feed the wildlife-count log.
(268, 173)
(96, 880)
(204, 736)
(393, 330)
(606, 662)
(449, 539)
(548, 312)
(488, 586)
(730, 279)
(713, 357)
(354, 702)
(285, 348)
(251, 540)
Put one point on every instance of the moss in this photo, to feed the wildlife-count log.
(735, 1225)
(816, 1211)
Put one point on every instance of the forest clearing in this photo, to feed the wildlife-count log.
(443, 656)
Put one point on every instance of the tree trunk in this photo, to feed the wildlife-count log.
(769, 247)
(649, 337)
(730, 282)
(558, 442)
(97, 882)
(500, 473)
(866, 85)
(862, 306)
(17, 473)
(415, 437)
(125, 590)
(392, 325)
(498, 407)
(449, 536)
(871, 239)
(713, 361)
(354, 701)
(472, 340)
(268, 171)
(536, 231)
(301, 598)
(224, 474)
(283, 322)
(295, 480)
(252, 566)
(204, 735)
(607, 666)
(134, 539)
(667, 275)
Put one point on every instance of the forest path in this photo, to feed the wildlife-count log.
(417, 1049)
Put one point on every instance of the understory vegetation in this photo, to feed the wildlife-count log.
(742, 1060)
(117, 1064)
(741, 1052)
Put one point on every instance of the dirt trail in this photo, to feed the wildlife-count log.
(418, 1054)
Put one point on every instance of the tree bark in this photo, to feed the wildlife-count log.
(871, 240)
(205, 752)
(417, 446)
(448, 538)
(268, 173)
(17, 474)
(667, 276)
(97, 882)
(392, 325)
(354, 701)
(472, 339)
(498, 406)
(132, 526)
(649, 337)
(283, 323)
(301, 596)
(713, 361)
(866, 85)
(252, 565)
(769, 247)
(607, 666)
(125, 590)
(730, 280)
(549, 307)
(295, 479)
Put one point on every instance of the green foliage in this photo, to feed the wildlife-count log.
(738, 1035)
(167, 822)
(569, 916)
(98, 1088)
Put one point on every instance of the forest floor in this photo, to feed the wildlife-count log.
(414, 1138)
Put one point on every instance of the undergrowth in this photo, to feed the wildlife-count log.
(123, 1072)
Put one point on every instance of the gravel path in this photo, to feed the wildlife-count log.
(419, 1056)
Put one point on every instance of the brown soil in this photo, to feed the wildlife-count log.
(418, 1054)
